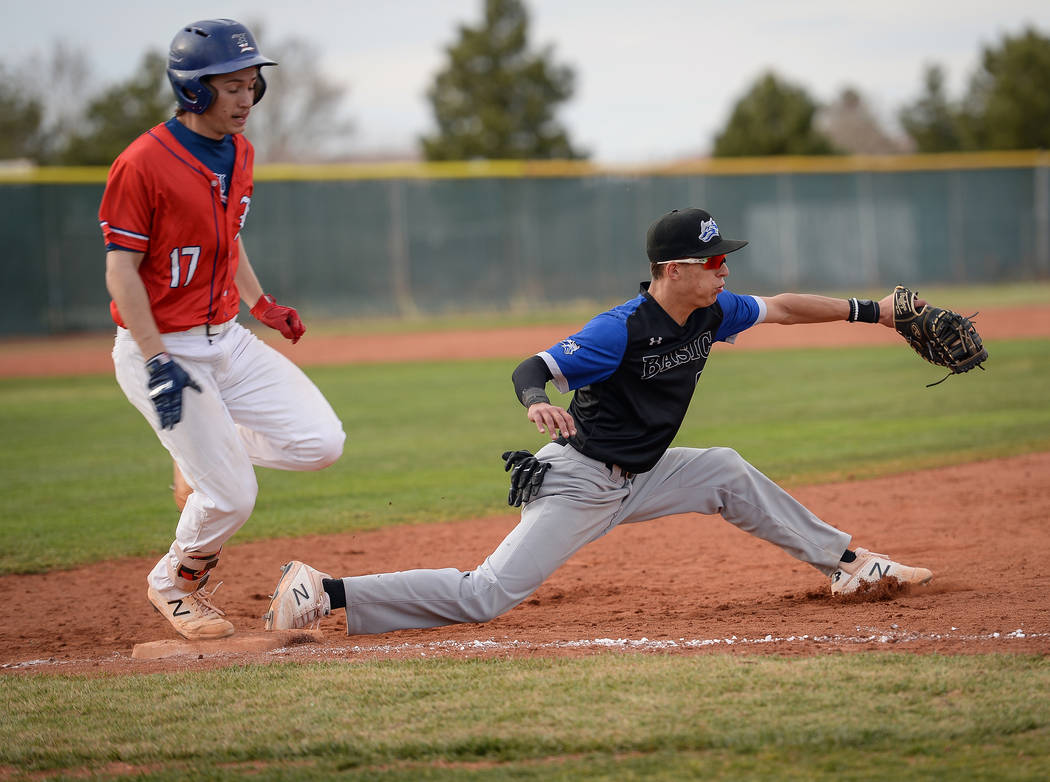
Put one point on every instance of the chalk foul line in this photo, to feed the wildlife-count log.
(864, 635)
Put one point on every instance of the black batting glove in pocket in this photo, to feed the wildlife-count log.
(526, 476)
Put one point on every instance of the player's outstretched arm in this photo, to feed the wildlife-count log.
(792, 308)
(886, 310)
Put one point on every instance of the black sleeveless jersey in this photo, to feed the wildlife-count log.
(634, 370)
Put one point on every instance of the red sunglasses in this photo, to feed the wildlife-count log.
(714, 262)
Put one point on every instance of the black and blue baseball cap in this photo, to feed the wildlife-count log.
(687, 233)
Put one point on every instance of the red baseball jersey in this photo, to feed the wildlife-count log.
(163, 202)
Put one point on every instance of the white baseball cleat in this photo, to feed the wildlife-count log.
(299, 600)
(193, 616)
(869, 567)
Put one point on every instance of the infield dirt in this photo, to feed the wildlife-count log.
(90, 353)
(683, 584)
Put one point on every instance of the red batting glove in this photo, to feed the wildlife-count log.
(284, 319)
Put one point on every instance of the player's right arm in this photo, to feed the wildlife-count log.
(125, 286)
(530, 379)
(589, 356)
(166, 378)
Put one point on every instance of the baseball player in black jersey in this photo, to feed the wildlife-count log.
(633, 369)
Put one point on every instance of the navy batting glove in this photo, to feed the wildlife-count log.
(526, 476)
(166, 381)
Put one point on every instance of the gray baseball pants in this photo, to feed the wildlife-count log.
(581, 500)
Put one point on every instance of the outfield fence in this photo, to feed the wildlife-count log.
(416, 239)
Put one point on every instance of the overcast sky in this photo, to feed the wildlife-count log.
(655, 80)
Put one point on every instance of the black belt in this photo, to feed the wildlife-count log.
(611, 465)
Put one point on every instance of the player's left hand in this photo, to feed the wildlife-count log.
(886, 309)
(941, 336)
(276, 316)
(526, 475)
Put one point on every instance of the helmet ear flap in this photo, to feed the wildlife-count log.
(260, 86)
(208, 94)
(196, 101)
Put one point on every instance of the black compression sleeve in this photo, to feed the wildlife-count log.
(530, 377)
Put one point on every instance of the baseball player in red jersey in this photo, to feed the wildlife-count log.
(219, 399)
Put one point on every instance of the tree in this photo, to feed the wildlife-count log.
(851, 127)
(21, 121)
(41, 102)
(61, 79)
(772, 118)
(1008, 103)
(932, 122)
(122, 113)
(495, 99)
(299, 115)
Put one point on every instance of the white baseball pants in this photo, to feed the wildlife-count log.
(255, 408)
(581, 500)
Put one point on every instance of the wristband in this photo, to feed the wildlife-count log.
(863, 311)
(532, 396)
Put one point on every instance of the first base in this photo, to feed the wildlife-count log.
(260, 641)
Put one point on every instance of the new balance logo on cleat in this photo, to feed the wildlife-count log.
(178, 605)
(299, 601)
(869, 568)
(194, 616)
(877, 568)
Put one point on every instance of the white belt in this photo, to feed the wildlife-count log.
(209, 329)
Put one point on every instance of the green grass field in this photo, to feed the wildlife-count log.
(84, 480)
(609, 717)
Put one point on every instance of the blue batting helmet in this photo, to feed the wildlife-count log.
(208, 47)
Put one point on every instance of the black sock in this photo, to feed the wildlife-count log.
(848, 556)
(336, 591)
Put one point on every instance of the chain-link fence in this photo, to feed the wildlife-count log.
(410, 244)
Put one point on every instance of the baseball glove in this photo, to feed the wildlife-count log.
(940, 336)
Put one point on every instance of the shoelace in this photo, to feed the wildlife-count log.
(205, 598)
(311, 620)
